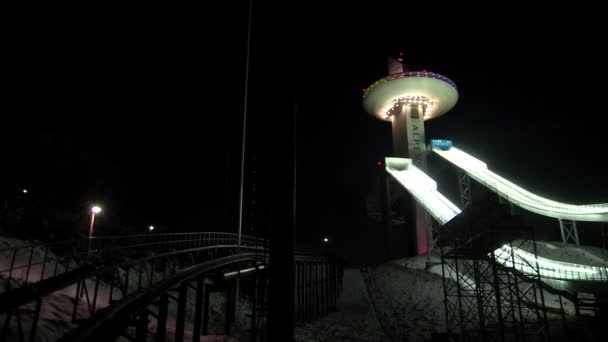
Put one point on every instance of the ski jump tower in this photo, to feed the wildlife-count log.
(407, 99)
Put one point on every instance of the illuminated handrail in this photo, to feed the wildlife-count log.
(519, 196)
(527, 263)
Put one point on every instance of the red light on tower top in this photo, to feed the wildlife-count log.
(400, 57)
(379, 163)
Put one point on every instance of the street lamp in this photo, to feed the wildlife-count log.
(325, 240)
(94, 210)
(151, 228)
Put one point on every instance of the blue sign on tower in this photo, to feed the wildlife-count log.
(442, 144)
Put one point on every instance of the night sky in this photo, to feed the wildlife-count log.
(142, 114)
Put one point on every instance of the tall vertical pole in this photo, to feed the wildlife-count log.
(244, 135)
(281, 314)
(279, 54)
(243, 146)
(91, 232)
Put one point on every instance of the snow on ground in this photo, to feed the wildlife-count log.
(408, 301)
(401, 300)
(396, 301)
(355, 319)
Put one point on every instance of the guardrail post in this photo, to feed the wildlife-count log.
(316, 287)
(44, 259)
(207, 292)
(76, 300)
(254, 304)
(161, 324)
(332, 276)
(35, 319)
(10, 272)
(141, 327)
(181, 312)
(296, 298)
(198, 310)
(229, 307)
(29, 264)
(309, 306)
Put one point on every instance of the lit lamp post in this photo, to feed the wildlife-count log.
(150, 228)
(94, 210)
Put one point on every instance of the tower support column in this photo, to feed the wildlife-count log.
(464, 183)
(569, 231)
(409, 142)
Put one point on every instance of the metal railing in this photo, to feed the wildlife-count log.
(34, 262)
(318, 285)
(117, 281)
(101, 286)
(114, 321)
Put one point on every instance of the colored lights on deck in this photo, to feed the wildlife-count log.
(392, 77)
(408, 101)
